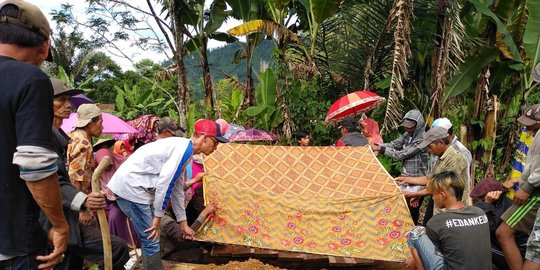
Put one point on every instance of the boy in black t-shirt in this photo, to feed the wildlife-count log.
(455, 239)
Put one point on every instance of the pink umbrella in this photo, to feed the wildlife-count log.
(111, 124)
(251, 135)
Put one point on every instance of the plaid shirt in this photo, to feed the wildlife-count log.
(79, 158)
(405, 148)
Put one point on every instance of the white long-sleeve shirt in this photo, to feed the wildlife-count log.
(155, 174)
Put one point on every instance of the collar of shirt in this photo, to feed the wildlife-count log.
(447, 153)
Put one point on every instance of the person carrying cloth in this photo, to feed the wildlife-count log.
(413, 158)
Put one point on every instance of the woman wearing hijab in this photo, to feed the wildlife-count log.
(370, 129)
(117, 220)
(120, 148)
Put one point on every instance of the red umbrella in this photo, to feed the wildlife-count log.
(252, 135)
(353, 104)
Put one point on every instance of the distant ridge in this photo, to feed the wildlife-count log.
(220, 60)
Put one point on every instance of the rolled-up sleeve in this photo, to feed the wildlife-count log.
(35, 163)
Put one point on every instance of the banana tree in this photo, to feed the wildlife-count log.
(498, 67)
(69, 79)
(206, 25)
(267, 111)
(290, 51)
(247, 10)
(531, 42)
(178, 15)
(134, 101)
(316, 12)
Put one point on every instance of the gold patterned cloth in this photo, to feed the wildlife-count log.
(335, 201)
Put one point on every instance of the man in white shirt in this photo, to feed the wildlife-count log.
(153, 176)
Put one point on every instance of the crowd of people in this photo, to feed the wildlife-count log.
(152, 194)
(464, 225)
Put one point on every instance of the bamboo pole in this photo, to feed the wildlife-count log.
(105, 234)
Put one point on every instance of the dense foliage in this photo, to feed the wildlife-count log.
(471, 61)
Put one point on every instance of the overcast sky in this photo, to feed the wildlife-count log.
(134, 52)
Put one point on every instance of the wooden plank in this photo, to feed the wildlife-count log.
(364, 261)
(334, 260)
(315, 257)
(241, 251)
(347, 261)
(265, 253)
(222, 250)
(170, 265)
(290, 256)
(286, 256)
(391, 265)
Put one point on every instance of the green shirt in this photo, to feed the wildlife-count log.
(452, 160)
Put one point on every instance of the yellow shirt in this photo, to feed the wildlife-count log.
(518, 162)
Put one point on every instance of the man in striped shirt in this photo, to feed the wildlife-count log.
(521, 215)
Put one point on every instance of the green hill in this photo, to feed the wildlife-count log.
(220, 60)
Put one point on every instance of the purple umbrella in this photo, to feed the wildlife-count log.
(78, 100)
(252, 135)
(111, 124)
(232, 129)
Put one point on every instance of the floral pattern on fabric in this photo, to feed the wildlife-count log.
(363, 228)
(145, 124)
(335, 201)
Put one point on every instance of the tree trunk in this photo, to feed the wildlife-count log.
(440, 59)
(283, 91)
(209, 97)
(490, 127)
(249, 95)
(480, 100)
(284, 104)
(183, 86)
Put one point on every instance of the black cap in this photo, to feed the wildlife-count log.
(349, 124)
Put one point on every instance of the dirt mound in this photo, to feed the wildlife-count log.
(246, 265)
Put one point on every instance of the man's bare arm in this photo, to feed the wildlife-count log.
(46, 193)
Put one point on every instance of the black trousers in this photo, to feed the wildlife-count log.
(415, 211)
(91, 249)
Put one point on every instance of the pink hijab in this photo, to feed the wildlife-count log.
(116, 161)
(370, 128)
(223, 125)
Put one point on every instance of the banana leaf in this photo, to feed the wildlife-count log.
(322, 9)
(218, 14)
(267, 27)
(501, 28)
(468, 72)
(531, 39)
